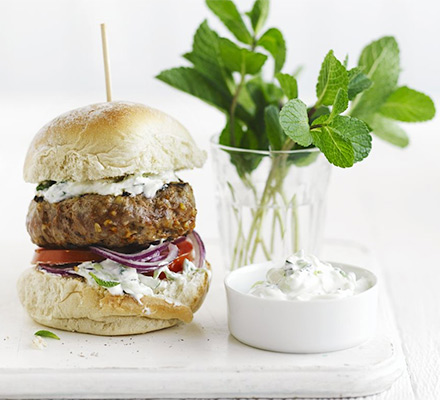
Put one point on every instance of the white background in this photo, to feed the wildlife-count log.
(51, 61)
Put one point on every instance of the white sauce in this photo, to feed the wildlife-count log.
(135, 284)
(147, 185)
(305, 277)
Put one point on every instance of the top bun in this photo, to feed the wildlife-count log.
(107, 140)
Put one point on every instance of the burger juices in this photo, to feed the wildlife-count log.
(117, 251)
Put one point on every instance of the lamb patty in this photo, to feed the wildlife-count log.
(113, 221)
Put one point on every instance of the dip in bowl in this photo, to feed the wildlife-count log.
(302, 305)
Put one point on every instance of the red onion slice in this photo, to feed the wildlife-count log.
(144, 266)
(61, 270)
(199, 249)
(153, 252)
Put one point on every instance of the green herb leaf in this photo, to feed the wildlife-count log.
(288, 84)
(388, 130)
(193, 82)
(258, 14)
(273, 41)
(239, 59)
(206, 57)
(357, 82)
(45, 185)
(295, 122)
(46, 334)
(227, 12)
(332, 77)
(340, 104)
(381, 64)
(408, 105)
(262, 94)
(103, 283)
(303, 159)
(356, 132)
(323, 110)
(274, 130)
(336, 149)
(225, 136)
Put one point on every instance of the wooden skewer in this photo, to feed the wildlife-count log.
(108, 84)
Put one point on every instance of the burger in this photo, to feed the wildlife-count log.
(117, 251)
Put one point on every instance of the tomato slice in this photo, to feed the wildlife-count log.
(62, 256)
(185, 252)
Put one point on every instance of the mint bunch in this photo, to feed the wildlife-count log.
(267, 114)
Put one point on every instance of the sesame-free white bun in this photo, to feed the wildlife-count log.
(107, 140)
(73, 305)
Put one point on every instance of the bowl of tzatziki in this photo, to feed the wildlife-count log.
(302, 305)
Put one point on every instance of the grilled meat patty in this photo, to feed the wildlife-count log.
(113, 221)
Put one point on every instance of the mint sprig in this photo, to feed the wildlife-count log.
(351, 103)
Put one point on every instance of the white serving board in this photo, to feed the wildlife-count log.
(198, 360)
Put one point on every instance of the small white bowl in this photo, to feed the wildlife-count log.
(294, 326)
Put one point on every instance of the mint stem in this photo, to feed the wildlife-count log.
(245, 250)
(234, 105)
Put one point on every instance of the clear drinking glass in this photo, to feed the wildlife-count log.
(271, 203)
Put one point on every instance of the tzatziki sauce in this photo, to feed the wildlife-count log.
(144, 184)
(119, 279)
(305, 277)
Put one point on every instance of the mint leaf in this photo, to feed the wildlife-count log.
(356, 132)
(336, 149)
(388, 130)
(295, 122)
(289, 85)
(340, 104)
(44, 185)
(193, 82)
(225, 136)
(103, 283)
(227, 12)
(258, 14)
(46, 334)
(273, 41)
(316, 113)
(408, 105)
(206, 57)
(239, 59)
(381, 64)
(274, 130)
(304, 158)
(332, 77)
(262, 94)
(357, 82)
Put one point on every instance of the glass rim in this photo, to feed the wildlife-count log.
(214, 142)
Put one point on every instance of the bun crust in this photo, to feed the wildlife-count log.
(71, 304)
(107, 140)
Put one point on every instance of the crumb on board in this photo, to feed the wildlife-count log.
(39, 343)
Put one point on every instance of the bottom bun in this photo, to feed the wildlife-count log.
(70, 304)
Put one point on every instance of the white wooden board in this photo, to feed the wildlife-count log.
(199, 360)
